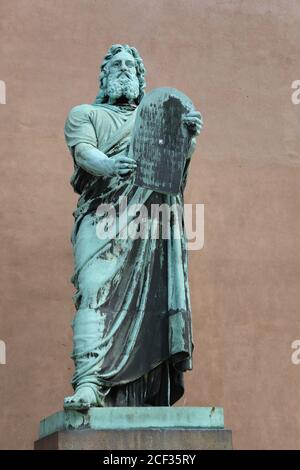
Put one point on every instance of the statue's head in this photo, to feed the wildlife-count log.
(122, 76)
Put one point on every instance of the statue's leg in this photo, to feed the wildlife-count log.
(87, 335)
(88, 325)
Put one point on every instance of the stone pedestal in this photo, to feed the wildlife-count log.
(145, 428)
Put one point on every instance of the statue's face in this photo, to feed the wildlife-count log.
(122, 80)
(122, 64)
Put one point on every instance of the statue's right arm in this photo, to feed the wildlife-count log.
(82, 141)
(93, 160)
(97, 163)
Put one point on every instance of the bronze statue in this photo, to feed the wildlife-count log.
(132, 329)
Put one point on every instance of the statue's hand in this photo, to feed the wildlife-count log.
(122, 165)
(194, 123)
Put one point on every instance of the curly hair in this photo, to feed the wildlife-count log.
(140, 71)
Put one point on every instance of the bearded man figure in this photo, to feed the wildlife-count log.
(132, 338)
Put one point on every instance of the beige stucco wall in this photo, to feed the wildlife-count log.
(236, 59)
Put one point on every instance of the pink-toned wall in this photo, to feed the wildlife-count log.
(236, 59)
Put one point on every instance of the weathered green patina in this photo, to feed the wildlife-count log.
(132, 329)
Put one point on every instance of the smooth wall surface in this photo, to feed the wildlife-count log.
(236, 59)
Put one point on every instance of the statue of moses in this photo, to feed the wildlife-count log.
(132, 337)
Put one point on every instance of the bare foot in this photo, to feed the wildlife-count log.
(82, 399)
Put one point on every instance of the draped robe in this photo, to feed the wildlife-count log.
(132, 328)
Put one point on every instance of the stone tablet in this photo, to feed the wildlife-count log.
(161, 141)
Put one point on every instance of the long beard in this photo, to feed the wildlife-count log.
(124, 86)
